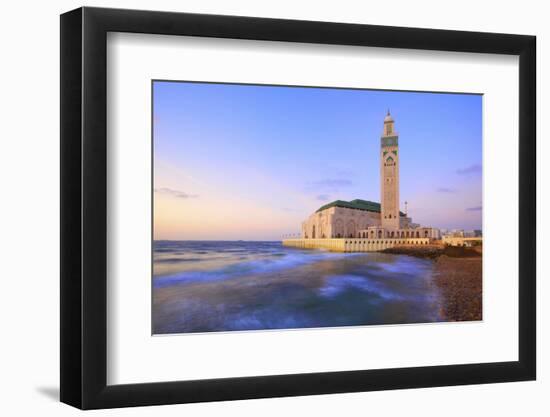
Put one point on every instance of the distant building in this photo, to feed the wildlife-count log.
(462, 240)
(454, 233)
(366, 219)
(461, 233)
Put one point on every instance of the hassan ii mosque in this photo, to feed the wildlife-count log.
(363, 225)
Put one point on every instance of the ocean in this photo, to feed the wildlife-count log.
(212, 286)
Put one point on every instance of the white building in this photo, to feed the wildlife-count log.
(366, 219)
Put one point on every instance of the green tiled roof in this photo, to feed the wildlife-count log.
(356, 204)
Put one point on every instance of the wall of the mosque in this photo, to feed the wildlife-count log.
(352, 245)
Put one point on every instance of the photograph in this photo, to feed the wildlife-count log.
(292, 207)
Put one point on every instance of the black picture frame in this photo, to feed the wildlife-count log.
(84, 207)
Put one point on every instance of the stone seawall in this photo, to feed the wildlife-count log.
(353, 244)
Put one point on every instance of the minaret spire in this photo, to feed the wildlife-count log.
(389, 175)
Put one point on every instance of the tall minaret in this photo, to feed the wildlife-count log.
(389, 175)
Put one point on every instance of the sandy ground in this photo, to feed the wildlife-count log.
(458, 275)
(460, 282)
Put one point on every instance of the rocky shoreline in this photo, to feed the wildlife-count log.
(457, 274)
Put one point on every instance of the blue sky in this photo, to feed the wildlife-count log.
(252, 162)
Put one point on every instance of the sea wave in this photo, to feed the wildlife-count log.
(235, 266)
(337, 284)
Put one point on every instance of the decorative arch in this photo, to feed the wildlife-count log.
(338, 228)
(351, 229)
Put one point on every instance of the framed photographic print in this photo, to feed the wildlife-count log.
(257, 207)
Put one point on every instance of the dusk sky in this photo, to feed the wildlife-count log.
(249, 162)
